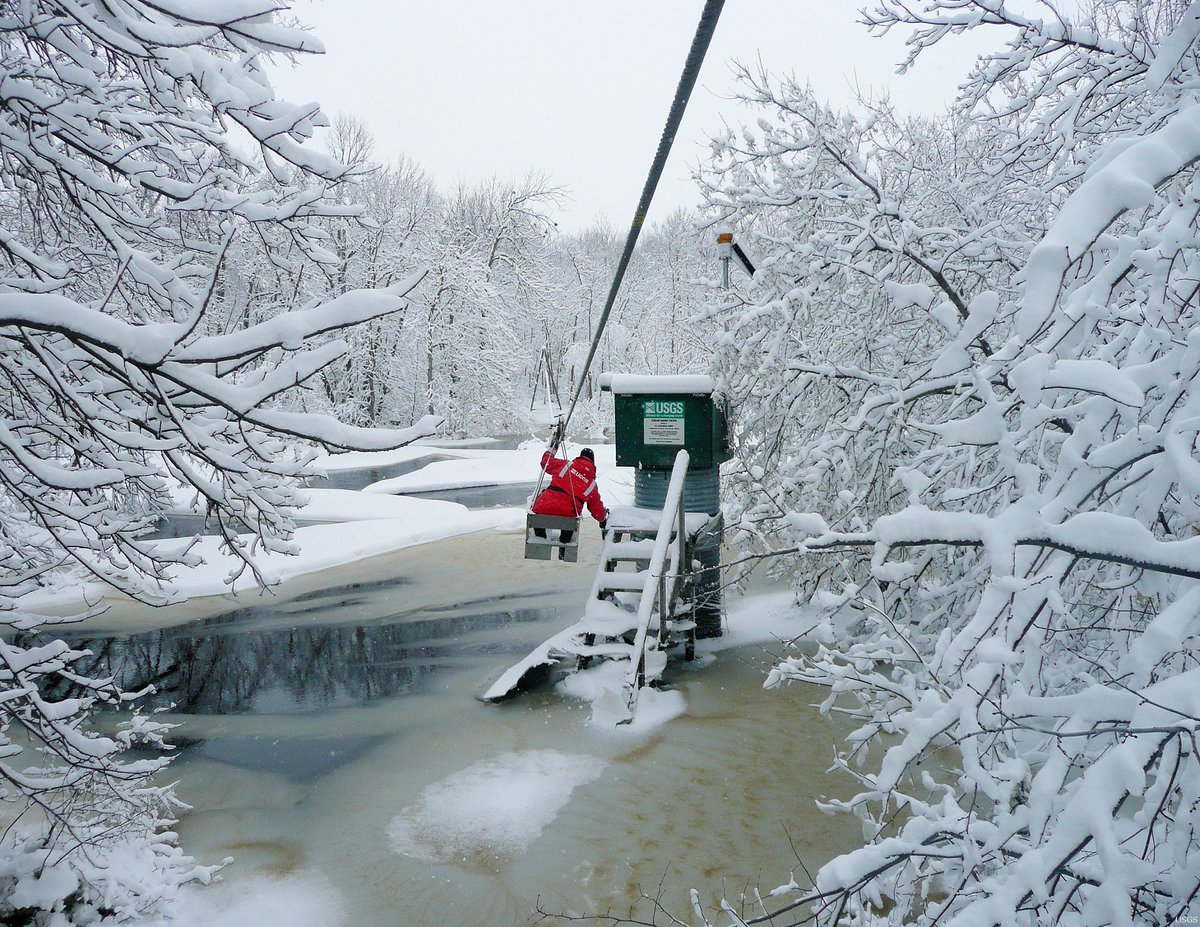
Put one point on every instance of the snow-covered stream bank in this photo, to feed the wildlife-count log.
(332, 744)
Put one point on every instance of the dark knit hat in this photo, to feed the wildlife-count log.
(587, 452)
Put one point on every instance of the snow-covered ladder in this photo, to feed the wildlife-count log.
(665, 576)
(658, 543)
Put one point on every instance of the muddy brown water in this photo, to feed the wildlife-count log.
(330, 730)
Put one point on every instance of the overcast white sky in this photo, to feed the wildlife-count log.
(579, 90)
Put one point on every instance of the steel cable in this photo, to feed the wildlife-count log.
(687, 81)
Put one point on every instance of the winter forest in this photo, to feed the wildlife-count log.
(962, 387)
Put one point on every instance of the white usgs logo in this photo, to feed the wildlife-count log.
(661, 408)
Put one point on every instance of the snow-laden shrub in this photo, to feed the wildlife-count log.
(122, 378)
(967, 384)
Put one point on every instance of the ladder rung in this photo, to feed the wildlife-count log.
(624, 582)
(606, 611)
(603, 649)
(636, 534)
(630, 550)
(602, 629)
(628, 519)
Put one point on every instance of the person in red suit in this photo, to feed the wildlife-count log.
(572, 489)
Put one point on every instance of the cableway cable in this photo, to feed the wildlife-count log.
(687, 81)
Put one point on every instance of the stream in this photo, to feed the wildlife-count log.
(331, 742)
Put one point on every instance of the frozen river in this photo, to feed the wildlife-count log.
(332, 744)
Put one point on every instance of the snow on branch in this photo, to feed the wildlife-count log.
(1128, 181)
(1099, 536)
(965, 381)
(154, 333)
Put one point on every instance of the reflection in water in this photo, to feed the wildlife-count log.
(299, 759)
(242, 661)
(277, 660)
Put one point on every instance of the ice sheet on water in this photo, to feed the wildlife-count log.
(300, 899)
(603, 684)
(493, 811)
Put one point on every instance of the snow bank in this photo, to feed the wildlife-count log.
(493, 468)
(359, 460)
(493, 811)
(343, 505)
(480, 468)
(322, 547)
(362, 524)
(319, 547)
(349, 505)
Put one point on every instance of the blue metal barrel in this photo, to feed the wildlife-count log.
(701, 490)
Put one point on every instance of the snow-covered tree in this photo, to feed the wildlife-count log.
(675, 333)
(395, 235)
(855, 221)
(660, 322)
(983, 345)
(124, 375)
(502, 286)
(481, 312)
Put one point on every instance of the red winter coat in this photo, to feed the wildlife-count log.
(572, 486)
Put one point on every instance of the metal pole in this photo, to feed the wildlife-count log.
(664, 608)
(685, 563)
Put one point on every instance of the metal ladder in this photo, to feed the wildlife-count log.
(636, 614)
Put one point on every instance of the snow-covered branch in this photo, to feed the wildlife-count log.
(981, 464)
(125, 372)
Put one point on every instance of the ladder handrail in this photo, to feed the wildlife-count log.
(661, 576)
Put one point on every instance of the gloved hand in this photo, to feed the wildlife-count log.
(604, 522)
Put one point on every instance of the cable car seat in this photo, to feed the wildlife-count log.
(551, 528)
